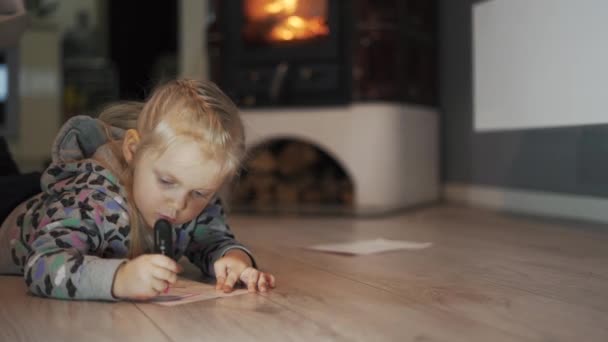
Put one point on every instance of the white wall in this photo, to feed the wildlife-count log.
(540, 63)
(39, 98)
(40, 93)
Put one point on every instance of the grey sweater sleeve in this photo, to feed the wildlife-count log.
(58, 269)
(62, 262)
(211, 239)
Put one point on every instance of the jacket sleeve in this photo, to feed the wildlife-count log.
(211, 238)
(63, 261)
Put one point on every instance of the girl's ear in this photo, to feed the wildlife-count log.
(129, 144)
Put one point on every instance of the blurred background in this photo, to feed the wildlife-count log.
(75, 57)
(351, 107)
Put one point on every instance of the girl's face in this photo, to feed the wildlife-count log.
(177, 185)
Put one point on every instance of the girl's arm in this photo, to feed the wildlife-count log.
(211, 239)
(62, 259)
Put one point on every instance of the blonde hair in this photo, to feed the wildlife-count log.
(181, 109)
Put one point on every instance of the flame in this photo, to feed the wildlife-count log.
(289, 21)
(281, 6)
(295, 27)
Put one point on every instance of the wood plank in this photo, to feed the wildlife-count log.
(244, 317)
(520, 312)
(360, 312)
(24, 317)
(502, 282)
(570, 270)
(314, 304)
(489, 277)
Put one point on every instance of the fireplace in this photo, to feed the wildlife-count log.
(354, 81)
(282, 52)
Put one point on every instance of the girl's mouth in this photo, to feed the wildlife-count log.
(168, 218)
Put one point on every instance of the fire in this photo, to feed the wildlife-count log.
(295, 27)
(289, 19)
(279, 6)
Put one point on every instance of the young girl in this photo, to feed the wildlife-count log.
(88, 235)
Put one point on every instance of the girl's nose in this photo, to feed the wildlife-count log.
(180, 202)
(170, 211)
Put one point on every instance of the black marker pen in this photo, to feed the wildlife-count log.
(163, 238)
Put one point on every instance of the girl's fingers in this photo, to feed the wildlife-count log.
(164, 274)
(253, 280)
(263, 283)
(231, 279)
(166, 262)
(159, 286)
(271, 280)
(220, 274)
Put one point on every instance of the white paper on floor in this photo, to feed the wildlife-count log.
(369, 246)
(188, 291)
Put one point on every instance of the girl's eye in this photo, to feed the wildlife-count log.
(198, 194)
(165, 181)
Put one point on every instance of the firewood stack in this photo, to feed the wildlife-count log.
(289, 174)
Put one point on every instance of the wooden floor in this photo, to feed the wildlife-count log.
(488, 277)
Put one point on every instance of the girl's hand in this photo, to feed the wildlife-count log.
(235, 266)
(145, 277)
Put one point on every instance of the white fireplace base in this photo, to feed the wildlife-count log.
(389, 150)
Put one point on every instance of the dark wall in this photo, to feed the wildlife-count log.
(143, 41)
(572, 160)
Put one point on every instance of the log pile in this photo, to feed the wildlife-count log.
(291, 174)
